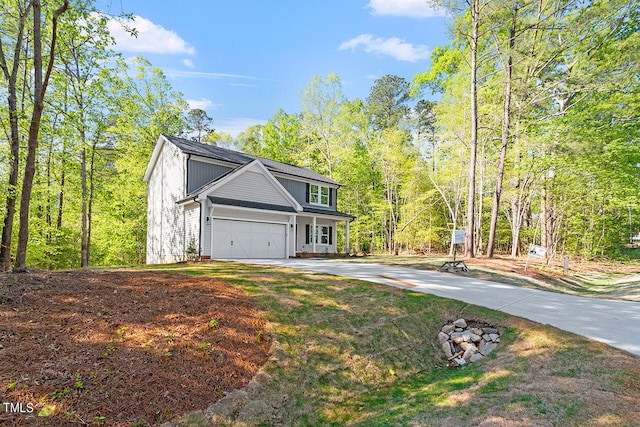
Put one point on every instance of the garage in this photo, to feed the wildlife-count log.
(247, 239)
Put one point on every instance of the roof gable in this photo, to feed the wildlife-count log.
(236, 157)
(154, 158)
(254, 182)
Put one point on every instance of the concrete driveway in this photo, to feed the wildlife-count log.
(616, 323)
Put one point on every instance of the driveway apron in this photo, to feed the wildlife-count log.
(616, 323)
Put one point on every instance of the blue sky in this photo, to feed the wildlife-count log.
(241, 60)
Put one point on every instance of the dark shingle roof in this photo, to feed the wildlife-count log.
(327, 212)
(231, 156)
(248, 204)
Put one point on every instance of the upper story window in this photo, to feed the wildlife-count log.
(319, 195)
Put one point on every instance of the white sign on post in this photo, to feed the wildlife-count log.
(457, 236)
(537, 251)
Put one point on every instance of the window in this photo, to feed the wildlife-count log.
(319, 195)
(324, 235)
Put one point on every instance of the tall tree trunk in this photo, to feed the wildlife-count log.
(480, 191)
(61, 194)
(12, 188)
(470, 223)
(519, 207)
(543, 215)
(40, 88)
(506, 117)
(49, 195)
(90, 201)
(11, 77)
(84, 250)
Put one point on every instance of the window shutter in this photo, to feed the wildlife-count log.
(330, 196)
(331, 235)
(307, 196)
(307, 240)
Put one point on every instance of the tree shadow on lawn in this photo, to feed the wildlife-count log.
(540, 377)
(349, 352)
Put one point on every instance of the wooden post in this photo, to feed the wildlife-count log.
(454, 253)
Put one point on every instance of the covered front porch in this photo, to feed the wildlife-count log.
(317, 234)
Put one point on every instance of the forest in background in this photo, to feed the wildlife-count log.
(525, 129)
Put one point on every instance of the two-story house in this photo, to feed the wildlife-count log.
(219, 203)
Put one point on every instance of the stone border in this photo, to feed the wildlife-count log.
(463, 344)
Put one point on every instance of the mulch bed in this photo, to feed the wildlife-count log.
(122, 347)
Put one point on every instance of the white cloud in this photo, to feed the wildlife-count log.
(235, 125)
(393, 47)
(202, 103)
(207, 75)
(188, 63)
(410, 8)
(242, 85)
(151, 38)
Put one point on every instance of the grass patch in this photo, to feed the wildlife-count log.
(349, 352)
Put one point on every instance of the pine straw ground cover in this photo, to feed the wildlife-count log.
(120, 347)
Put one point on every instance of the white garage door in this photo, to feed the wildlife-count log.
(243, 239)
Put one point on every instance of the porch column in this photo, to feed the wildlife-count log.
(294, 239)
(313, 235)
(347, 248)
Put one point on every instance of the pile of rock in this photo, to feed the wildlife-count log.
(464, 344)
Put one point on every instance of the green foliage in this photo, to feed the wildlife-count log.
(213, 323)
(387, 102)
(445, 63)
(250, 140)
(199, 124)
(571, 171)
(282, 139)
(192, 251)
(145, 108)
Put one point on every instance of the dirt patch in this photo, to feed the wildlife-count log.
(122, 348)
(555, 268)
(618, 280)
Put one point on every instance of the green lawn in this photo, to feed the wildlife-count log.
(349, 352)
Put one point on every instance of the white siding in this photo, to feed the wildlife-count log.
(154, 226)
(252, 186)
(165, 229)
(192, 227)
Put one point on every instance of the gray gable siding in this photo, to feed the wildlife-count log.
(298, 190)
(201, 173)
